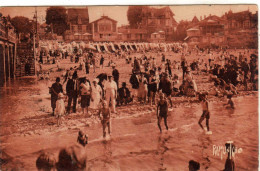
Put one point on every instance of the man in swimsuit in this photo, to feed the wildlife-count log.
(205, 108)
(162, 110)
(230, 103)
(104, 115)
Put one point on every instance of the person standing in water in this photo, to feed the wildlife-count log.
(110, 88)
(230, 103)
(104, 115)
(205, 108)
(162, 110)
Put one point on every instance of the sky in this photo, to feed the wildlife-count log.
(119, 13)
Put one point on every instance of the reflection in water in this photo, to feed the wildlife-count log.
(161, 149)
(107, 152)
(206, 152)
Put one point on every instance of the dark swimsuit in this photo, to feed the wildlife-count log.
(163, 109)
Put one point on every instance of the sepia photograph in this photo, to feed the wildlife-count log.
(129, 88)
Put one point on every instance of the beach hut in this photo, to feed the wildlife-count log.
(129, 46)
(138, 48)
(112, 46)
(82, 45)
(74, 44)
(117, 46)
(123, 47)
(102, 48)
(109, 47)
(146, 46)
(105, 47)
(97, 47)
(134, 46)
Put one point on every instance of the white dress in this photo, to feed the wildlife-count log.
(95, 95)
(60, 108)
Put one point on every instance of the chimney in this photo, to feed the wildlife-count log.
(204, 17)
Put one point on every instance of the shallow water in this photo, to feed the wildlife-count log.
(136, 143)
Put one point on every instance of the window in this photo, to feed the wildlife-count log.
(167, 22)
(105, 26)
(129, 36)
(79, 21)
(109, 34)
(246, 24)
(101, 35)
(80, 27)
(162, 22)
(74, 28)
(84, 28)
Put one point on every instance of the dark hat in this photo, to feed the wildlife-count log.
(229, 96)
(58, 79)
(81, 133)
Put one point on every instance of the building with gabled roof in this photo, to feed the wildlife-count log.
(194, 20)
(207, 32)
(158, 19)
(241, 20)
(128, 34)
(104, 29)
(78, 19)
(242, 28)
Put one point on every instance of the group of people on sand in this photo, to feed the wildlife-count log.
(149, 79)
(153, 83)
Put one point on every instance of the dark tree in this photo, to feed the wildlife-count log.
(134, 15)
(21, 24)
(23, 27)
(57, 18)
(181, 31)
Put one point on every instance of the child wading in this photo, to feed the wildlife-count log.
(82, 139)
(162, 110)
(60, 108)
(230, 103)
(205, 108)
(104, 114)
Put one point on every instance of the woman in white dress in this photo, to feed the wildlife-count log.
(143, 89)
(95, 94)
